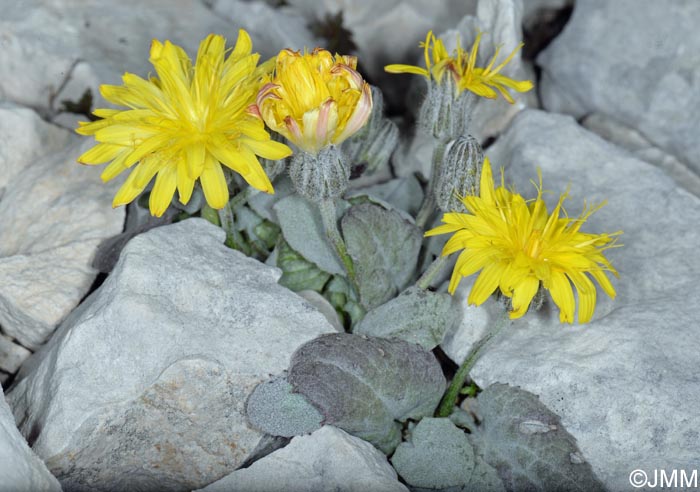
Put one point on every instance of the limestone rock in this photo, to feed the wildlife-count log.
(53, 215)
(143, 387)
(20, 469)
(388, 31)
(635, 61)
(56, 49)
(328, 459)
(626, 383)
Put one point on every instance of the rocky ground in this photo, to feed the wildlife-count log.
(141, 374)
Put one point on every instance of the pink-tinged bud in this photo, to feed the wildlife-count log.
(315, 99)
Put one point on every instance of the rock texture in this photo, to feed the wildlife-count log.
(328, 459)
(53, 215)
(635, 61)
(388, 31)
(144, 385)
(625, 384)
(84, 43)
(20, 469)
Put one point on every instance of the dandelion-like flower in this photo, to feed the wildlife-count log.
(461, 67)
(184, 124)
(315, 99)
(519, 247)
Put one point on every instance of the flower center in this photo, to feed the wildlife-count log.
(533, 245)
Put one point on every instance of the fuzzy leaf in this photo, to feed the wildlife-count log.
(302, 228)
(416, 315)
(438, 456)
(384, 247)
(527, 444)
(366, 386)
(297, 273)
(274, 409)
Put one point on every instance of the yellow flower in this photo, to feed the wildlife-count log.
(463, 69)
(184, 124)
(518, 246)
(315, 99)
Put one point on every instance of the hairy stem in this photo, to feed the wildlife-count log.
(450, 399)
(330, 225)
(433, 270)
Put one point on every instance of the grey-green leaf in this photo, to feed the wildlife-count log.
(302, 228)
(384, 247)
(275, 409)
(297, 273)
(416, 315)
(527, 444)
(367, 385)
(438, 456)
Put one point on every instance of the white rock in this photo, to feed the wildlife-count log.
(24, 138)
(143, 387)
(630, 139)
(12, 355)
(635, 61)
(55, 49)
(53, 215)
(20, 469)
(500, 21)
(388, 31)
(328, 459)
(625, 384)
(274, 28)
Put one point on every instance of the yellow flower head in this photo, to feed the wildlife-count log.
(518, 246)
(184, 124)
(462, 68)
(315, 99)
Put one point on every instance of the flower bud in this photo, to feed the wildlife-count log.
(446, 112)
(320, 176)
(457, 172)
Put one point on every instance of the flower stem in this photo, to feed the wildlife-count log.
(427, 207)
(330, 224)
(234, 239)
(450, 399)
(433, 270)
(242, 197)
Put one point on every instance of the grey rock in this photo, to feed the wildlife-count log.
(625, 384)
(630, 139)
(275, 28)
(388, 31)
(20, 469)
(144, 385)
(635, 61)
(84, 43)
(328, 459)
(24, 138)
(53, 215)
(11, 354)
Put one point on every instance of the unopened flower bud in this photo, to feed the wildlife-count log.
(320, 176)
(457, 169)
(446, 112)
